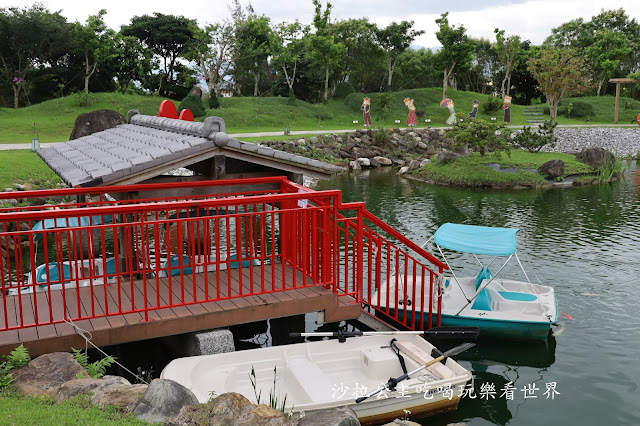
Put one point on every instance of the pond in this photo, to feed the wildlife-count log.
(584, 242)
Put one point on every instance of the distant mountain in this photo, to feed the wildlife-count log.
(417, 47)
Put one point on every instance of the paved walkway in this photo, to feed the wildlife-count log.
(9, 146)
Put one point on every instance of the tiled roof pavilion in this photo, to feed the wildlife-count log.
(150, 146)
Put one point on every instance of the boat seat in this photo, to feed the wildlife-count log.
(518, 296)
(483, 301)
(54, 273)
(311, 379)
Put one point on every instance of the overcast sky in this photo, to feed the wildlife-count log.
(531, 19)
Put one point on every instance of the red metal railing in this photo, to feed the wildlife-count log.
(152, 247)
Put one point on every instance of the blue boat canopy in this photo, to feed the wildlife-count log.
(477, 239)
(69, 222)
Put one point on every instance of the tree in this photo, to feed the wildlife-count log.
(253, 39)
(322, 48)
(167, 36)
(507, 48)
(287, 49)
(481, 76)
(362, 64)
(95, 44)
(29, 37)
(606, 53)
(416, 68)
(560, 73)
(133, 61)
(212, 49)
(456, 53)
(395, 39)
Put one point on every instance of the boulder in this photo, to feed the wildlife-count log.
(124, 397)
(163, 401)
(425, 161)
(552, 169)
(196, 91)
(353, 165)
(262, 415)
(47, 373)
(79, 386)
(342, 416)
(95, 121)
(403, 170)
(383, 160)
(362, 152)
(374, 163)
(413, 165)
(447, 157)
(596, 157)
(223, 410)
(363, 162)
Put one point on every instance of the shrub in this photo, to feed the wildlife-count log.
(194, 103)
(382, 136)
(214, 102)
(354, 100)
(342, 90)
(96, 369)
(580, 109)
(534, 141)
(479, 135)
(382, 101)
(17, 358)
(292, 98)
(492, 104)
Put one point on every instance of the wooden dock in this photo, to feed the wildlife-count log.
(155, 296)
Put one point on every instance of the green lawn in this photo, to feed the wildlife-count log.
(31, 168)
(17, 410)
(472, 171)
(54, 119)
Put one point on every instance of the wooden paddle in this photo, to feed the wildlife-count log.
(392, 383)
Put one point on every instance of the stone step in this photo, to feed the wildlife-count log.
(535, 121)
(533, 114)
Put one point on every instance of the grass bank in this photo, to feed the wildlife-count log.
(20, 165)
(21, 410)
(472, 171)
(55, 118)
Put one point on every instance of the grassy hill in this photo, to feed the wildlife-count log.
(55, 118)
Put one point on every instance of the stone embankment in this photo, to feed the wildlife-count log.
(622, 142)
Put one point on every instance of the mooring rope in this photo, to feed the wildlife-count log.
(87, 341)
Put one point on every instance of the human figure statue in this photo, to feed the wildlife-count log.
(366, 111)
(474, 111)
(507, 109)
(412, 120)
(448, 103)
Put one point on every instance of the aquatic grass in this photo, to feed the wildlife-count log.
(274, 398)
(610, 170)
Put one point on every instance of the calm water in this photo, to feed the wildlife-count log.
(583, 241)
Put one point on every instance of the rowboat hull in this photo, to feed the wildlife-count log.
(326, 374)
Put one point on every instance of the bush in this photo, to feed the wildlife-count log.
(479, 135)
(292, 98)
(536, 140)
(382, 101)
(194, 103)
(342, 90)
(214, 102)
(354, 100)
(580, 109)
(492, 104)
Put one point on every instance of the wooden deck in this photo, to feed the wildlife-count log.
(164, 320)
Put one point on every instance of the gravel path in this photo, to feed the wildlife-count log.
(620, 141)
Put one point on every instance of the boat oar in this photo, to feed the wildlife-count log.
(391, 384)
(434, 333)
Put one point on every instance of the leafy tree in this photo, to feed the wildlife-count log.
(287, 50)
(606, 53)
(362, 64)
(416, 68)
(322, 47)
(480, 77)
(560, 73)
(507, 48)
(212, 49)
(523, 82)
(168, 36)
(29, 38)
(95, 44)
(253, 39)
(133, 61)
(395, 39)
(456, 53)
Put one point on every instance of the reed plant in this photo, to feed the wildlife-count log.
(610, 170)
(274, 398)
